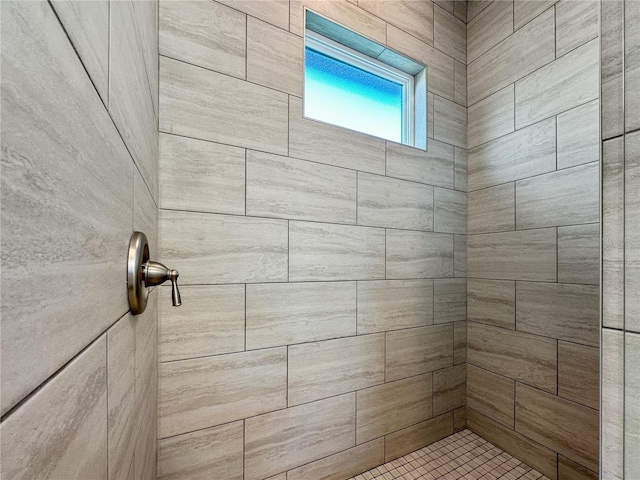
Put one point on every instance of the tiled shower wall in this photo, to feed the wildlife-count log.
(323, 329)
(79, 174)
(620, 247)
(533, 230)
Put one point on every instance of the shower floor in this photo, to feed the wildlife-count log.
(463, 455)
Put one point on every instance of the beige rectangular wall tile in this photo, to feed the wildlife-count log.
(288, 313)
(347, 463)
(569, 312)
(288, 188)
(492, 302)
(526, 50)
(417, 436)
(394, 304)
(419, 254)
(392, 406)
(459, 419)
(460, 9)
(450, 211)
(460, 82)
(534, 454)
(277, 12)
(459, 342)
(208, 248)
(612, 403)
(387, 202)
(526, 10)
(210, 322)
(206, 34)
(612, 68)
(632, 67)
(66, 418)
(440, 69)
(526, 255)
(310, 140)
(632, 403)
(418, 350)
(286, 439)
(274, 57)
(490, 27)
(332, 367)
(576, 23)
(201, 176)
(449, 122)
(145, 454)
(449, 34)
(573, 471)
(434, 166)
(449, 389)
(450, 300)
(579, 373)
(492, 117)
(203, 392)
(191, 105)
(530, 359)
(566, 427)
(492, 209)
(474, 7)
(491, 395)
(460, 169)
(579, 254)
(209, 453)
(563, 84)
(415, 18)
(565, 197)
(322, 251)
(459, 255)
(579, 135)
(632, 231)
(524, 153)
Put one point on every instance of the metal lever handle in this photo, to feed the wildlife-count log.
(155, 273)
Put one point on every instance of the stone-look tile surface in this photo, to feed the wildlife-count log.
(569, 312)
(274, 57)
(319, 142)
(67, 195)
(346, 463)
(525, 255)
(408, 439)
(329, 368)
(459, 255)
(491, 395)
(460, 9)
(145, 212)
(492, 209)
(574, 471)
(449, 389)
(392, 406)
(313, 431)
(566, 427)
(210, 391)
(450, 300)
(391, 203)
(449, 34)
(209, 322)
(526, 50)
(323, 252)
(579, 373)
(526, 358)
(449, 122)
(201, 176)
(526, 10)
(434, 166)
(415, 18)
(450, 211)
(632, 67)
(612, 403)
(284, 187)
(391, 304)
(631, 402)
(418, 350)
(209, 453)
(474, 7)
(276, 14)
(542, 458)
(61, 431)
(521, 154)
(87, 25)
(579, 254)
(612, 68)
(460, 168)
(565, 197)
(207, 248)
(418, 254)
(459, 342)
(489, 28)
(249, 115)
(289, 313)
(460, 83)
(632, 231)
(492, 117)
(578, 134)
(206, 34)
(492, 302)
(563, 84)
(576, 23)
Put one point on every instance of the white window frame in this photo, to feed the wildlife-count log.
(359, 60)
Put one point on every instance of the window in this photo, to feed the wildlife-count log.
(356, 83)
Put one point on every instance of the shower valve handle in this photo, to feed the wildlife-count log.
(155, 273)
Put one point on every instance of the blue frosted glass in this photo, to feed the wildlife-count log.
(341, 94)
